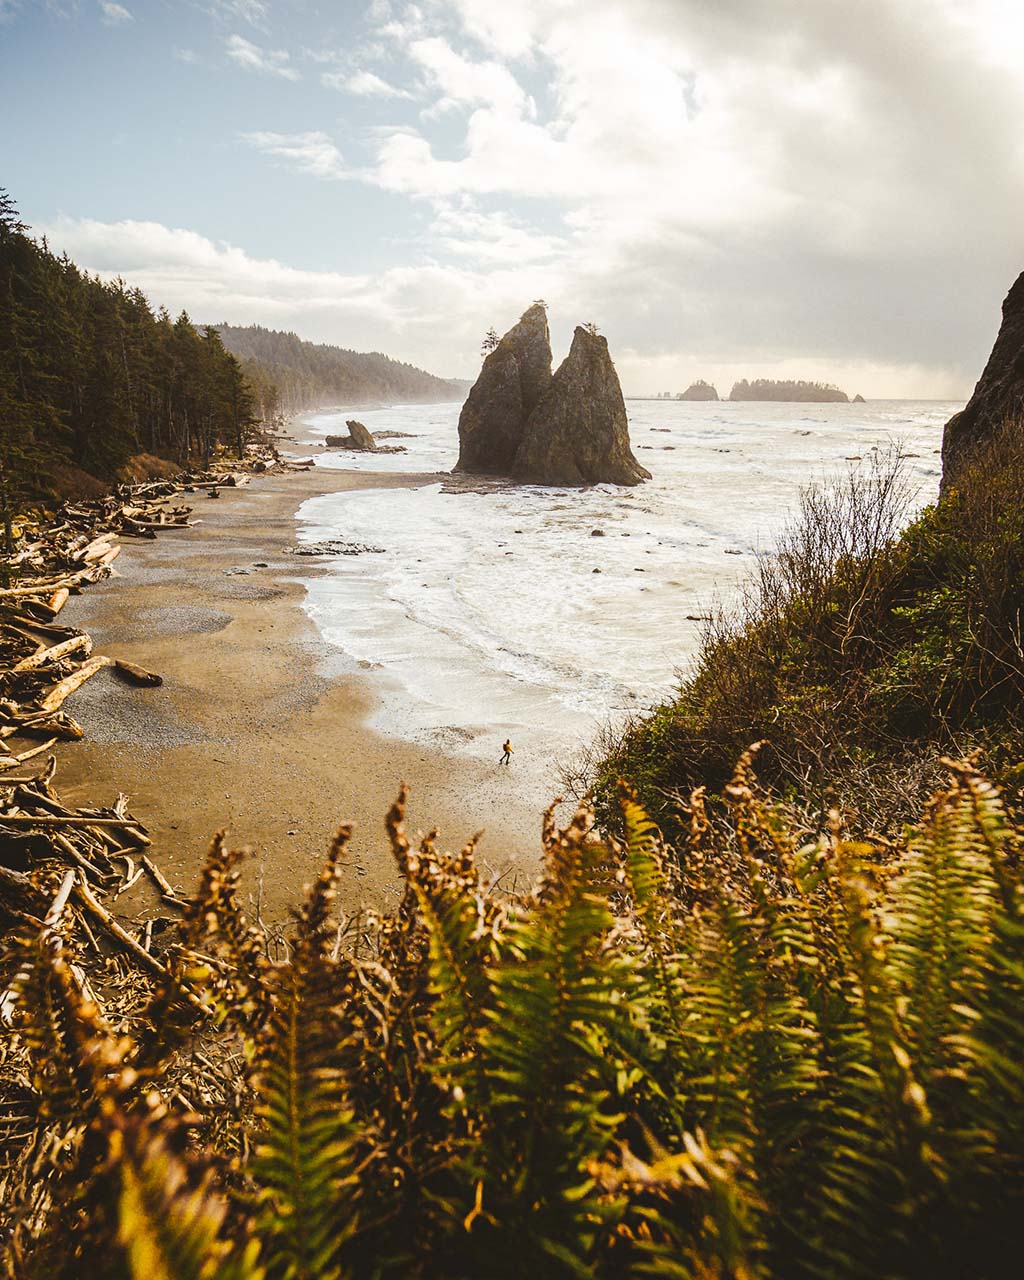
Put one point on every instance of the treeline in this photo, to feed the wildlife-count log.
(91, 376)
(770, 389)
(309, 374)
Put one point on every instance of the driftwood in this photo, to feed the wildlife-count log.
(92, 853)
(55, 653)
(55, 698)
(136, 675)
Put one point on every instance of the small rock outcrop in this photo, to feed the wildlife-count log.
(999, 396)
(858, 399)
(514, 377)
(699, 390)
(358, 438)
(578, 433)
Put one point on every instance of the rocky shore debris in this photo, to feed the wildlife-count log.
(333, 547)
(999, 395)
(566, 428)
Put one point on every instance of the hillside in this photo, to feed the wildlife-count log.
(92, 377)
(308, 374)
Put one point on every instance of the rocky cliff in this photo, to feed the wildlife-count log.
(514, 377)
(999, 395)
(578, 432)
(699, 390)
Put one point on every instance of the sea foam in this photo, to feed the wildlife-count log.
(504, 611)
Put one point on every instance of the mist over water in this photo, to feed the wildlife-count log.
(483, 614)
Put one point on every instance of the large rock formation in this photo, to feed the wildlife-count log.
(578, 432)
(358, 438)
(514, 377)
(699, 390)
(999, 396)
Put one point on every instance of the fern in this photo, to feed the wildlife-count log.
(307, 1153)
(772, 1058)
(171, 1223)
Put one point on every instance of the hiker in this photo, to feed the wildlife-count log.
(507, 748)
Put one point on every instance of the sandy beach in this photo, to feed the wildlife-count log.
(258, 728)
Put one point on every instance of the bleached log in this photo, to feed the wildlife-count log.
(76, 820)
(95, 549)
(64, 688)
(60, 724)
(55, 653)
(58, 600)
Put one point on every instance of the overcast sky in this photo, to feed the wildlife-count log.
(727, 188)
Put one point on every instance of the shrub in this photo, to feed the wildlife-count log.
(857, 651)
(772, 1055)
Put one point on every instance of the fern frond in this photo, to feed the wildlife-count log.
(171, 1222)
(308, 1148)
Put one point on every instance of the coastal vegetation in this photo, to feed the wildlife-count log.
(772, 389)
(772, 1052)
(308, 375)
(861, 650)
(759, 1019)
(92, 377)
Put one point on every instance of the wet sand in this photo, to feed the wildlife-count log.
(259, 726)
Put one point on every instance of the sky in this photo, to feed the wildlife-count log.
(827, 189)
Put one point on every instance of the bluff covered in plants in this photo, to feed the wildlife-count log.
(771, 389)
(756, 1057)
(310, 374)
(862, 648)
(91, 376)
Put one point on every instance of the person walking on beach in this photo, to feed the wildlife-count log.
(507, 748)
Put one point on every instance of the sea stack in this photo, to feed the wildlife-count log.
(700, 390)
(358, 438)
(999, 396)
(578, 433)
(514, 377)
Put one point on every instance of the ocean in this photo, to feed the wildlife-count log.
(543, 613)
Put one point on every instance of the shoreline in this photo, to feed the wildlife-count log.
(260, 725)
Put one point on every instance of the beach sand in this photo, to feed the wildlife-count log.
(259, 726)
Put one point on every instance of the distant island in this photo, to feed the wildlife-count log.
(699, 390)
(770, 389)
(309, 374)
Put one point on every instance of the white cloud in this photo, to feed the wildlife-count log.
(187, 55)
(432, 315)
(255, 12)
(275, 62)
(465, 83)
(726, 193)
(115, 15)
(312, 153)
(364, 84)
